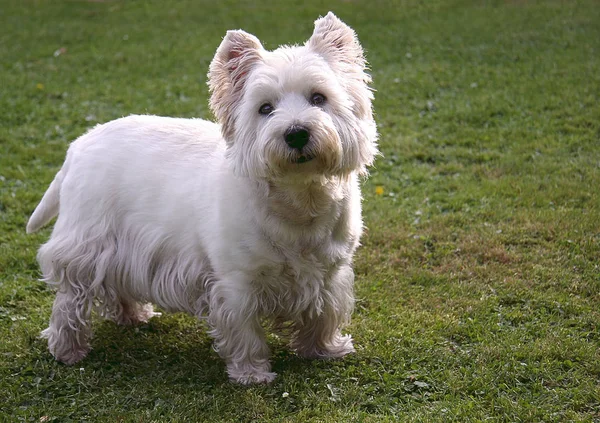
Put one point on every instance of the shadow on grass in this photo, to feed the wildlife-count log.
(172, 349)
(162, 367)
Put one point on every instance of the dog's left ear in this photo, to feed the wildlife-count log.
(228, 73)
(336, 42)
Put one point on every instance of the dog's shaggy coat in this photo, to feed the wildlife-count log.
(229, 221)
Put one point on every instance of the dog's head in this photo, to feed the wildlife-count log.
(300, 110)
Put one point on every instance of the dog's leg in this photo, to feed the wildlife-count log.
(317, 335)
(319, 338)
(69, 328)
(132, 313)
(239, 337)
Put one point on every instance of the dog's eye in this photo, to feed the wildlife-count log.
(317, 99)
(266, 109)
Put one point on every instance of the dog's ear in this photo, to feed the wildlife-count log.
(336, 42)
(228, 73)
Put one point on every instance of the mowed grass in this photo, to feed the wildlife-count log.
(478, 281)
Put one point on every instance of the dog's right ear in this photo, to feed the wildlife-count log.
(228, 73)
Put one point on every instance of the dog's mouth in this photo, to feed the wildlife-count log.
(303, 159)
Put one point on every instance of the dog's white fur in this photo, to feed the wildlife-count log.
(221, 221)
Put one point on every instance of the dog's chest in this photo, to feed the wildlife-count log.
(296, 283)
(292, 247)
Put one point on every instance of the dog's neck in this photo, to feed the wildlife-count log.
(304, 203)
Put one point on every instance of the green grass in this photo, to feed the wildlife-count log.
(478, 282)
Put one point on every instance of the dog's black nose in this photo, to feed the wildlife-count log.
(296, 137)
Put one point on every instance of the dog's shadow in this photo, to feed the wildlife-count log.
(175, 346)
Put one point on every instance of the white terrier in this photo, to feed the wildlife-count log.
(255, 217)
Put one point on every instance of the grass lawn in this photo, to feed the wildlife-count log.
(478, 283)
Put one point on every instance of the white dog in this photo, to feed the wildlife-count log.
(255, 217)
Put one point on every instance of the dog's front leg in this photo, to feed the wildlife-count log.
(239, 337)
(318, 334)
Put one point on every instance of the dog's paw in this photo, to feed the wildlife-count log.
(252, 378)
(250, 374)
(71, 357)
(65, 346)
(133, 314)
(340, 346)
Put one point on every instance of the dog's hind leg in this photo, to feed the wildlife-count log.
(72, 266)
(69, 329)
(132, 313)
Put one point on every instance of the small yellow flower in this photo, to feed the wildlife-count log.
(378, 190)
(39, 86)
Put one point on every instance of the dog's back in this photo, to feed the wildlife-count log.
(108, 152)
(102, 234)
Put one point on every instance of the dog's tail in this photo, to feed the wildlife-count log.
(48, 207)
